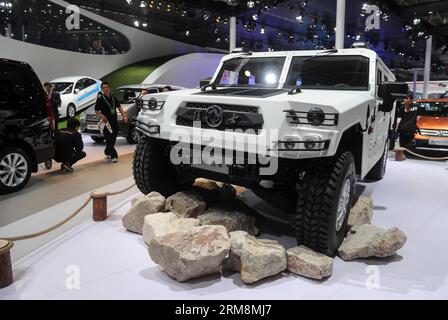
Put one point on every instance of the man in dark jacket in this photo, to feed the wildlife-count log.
(56, 102)
(69, 145)
(106, 108)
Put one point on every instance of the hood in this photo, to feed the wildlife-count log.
(432, 122)
(340, 99)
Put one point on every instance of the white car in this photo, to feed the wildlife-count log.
(297, 128)
(77, 94)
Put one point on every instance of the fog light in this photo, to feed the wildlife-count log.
(152, 104)
(310, 144)
(290, 144)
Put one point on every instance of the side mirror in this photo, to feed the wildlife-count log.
(391, 92)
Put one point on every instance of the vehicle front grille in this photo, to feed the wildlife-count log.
(234, 117)
(434, 133)
(90, 117)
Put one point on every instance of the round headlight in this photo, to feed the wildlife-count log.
(152, 104)
(316, 116)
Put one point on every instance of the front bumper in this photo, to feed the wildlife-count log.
(430, 143)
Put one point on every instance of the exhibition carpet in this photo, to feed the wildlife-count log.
(112, 263)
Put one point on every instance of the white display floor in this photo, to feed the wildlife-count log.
(114, 264)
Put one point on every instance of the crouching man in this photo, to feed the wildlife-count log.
(69, 145)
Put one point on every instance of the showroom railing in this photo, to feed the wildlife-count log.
(6, 243)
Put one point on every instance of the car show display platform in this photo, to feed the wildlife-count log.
(104, 261)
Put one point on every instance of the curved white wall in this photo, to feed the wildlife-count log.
(186, 71)
(50, 63)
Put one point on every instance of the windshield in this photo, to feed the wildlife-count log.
(251, 72)
(63, 87)
(329, 73)
(432, 109)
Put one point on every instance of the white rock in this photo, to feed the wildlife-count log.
(150, 204)
(187, 204)
(261, 259)
(233, 221)
(163, 223)
(233, 261)
(308, 263)
(193, 253)
(362, 212)
(366, 241)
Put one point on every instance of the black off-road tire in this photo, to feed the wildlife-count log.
(153, 170)
(319, 194)
(379, 170)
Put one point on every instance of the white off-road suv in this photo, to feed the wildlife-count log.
(297, 128)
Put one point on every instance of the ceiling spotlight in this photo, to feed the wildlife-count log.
(299, 18)
(129, 2)
(250, 4)
(416, 21)
(187, 33)
(263, 30)
(144, 24)
(255, 17)
(136, 23)
(142, 4)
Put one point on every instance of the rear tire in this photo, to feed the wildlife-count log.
(153, 170)
(71, 111)
(15, 169)
(132, 137)
(325, 196)
(379, 170)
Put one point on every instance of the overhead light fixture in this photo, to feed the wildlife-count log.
(187, 33)
(263, 30)
(299, 18)
(255, 17)
(136, 23)
(250, 4)
(142, 4)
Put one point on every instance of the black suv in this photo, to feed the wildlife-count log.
(26, 137)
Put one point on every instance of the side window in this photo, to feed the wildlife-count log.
(88, 82)
(12, 88)
(79, 85)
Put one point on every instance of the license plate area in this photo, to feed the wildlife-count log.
(93, 127)
(438, 142)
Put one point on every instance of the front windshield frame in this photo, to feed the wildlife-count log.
(424, 106)
(272, 74)
(292, 79)
(138, 92)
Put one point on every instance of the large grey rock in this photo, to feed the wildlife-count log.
(187, 204)
(233, 221)
(150, 204)
(192, 253)
(261, 259)
(362, 212)
(163, 223)
(366, 241)
(308, 263)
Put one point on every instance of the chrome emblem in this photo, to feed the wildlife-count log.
(214, 116)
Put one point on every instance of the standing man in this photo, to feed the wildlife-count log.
(55, 99)
(106, 109)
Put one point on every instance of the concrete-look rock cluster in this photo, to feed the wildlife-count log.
(207, 230)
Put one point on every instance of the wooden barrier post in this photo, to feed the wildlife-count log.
(99, 206)
(6, 277)
(399, 154)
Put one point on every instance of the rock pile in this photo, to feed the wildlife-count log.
(208, 229)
